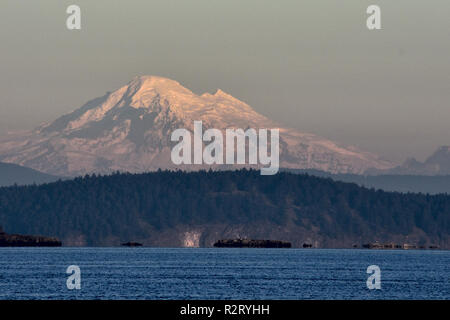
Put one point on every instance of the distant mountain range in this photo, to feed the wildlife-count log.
(437, 164)
(129, 130)
(11, 174)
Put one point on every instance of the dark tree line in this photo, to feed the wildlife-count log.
(129, 205)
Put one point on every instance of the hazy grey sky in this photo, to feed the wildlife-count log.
(310, 64)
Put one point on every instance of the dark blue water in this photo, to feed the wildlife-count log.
(151, 273)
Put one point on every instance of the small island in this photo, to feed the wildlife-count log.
(132, 244)
(249, 243)
(16, 240)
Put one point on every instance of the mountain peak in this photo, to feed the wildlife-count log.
(153, 81)
(223, 95)
(440, 157)
(157, 84)
(220, 93)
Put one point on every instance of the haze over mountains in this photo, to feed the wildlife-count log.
(129, 130)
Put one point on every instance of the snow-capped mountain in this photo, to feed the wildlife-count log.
(129, 130)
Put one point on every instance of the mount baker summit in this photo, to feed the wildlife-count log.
(129, 130)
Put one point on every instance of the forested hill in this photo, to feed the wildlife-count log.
(196, 208)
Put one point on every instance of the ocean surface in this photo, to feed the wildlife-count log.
(157, 273)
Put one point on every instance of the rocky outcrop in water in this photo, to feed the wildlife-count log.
(16, 240)
(248, 243)
(132, 244)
